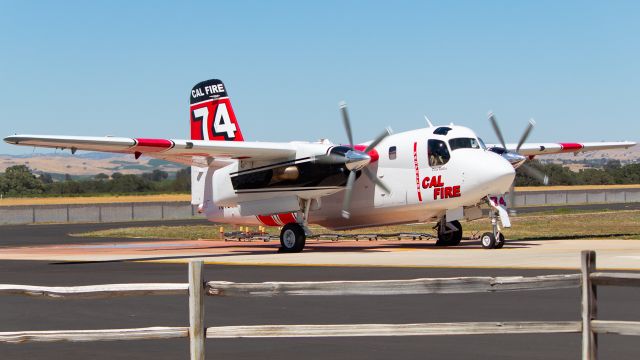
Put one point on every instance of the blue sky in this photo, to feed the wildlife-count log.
(126, 68)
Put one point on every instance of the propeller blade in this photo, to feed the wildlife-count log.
(346, 122)
(535, 173)
(525, 135)
(377, 140)
(496, 129)
(346, 203)
(374, 179)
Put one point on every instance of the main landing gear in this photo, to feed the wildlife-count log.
(449, 233)
(292, 238)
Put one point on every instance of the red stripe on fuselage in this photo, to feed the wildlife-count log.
(278, 219)
(417, 168)
(287, 218)
(152, 145)
(569, 147)
(267, 220)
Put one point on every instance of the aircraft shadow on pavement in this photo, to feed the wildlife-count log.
(240, 248)
(573, 237)
(271, 249)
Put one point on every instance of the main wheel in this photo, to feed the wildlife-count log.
(292, 238)
(451, 238)
(499, 241)
(488, 240)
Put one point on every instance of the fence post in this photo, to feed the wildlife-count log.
(196, 311)
(589, 306)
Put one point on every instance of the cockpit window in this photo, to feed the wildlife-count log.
(438, 152)
(482, 144)
(464, 143)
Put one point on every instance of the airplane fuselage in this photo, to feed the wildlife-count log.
(428, 174)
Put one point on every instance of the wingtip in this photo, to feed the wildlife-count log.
(11, 139)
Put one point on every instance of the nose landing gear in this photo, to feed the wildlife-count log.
(490, 241)
(495, 238)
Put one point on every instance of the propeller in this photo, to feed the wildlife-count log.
(355, 160)
(517, 160)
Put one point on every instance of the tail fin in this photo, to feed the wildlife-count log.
(212, 117)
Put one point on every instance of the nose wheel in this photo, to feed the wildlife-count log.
(490, 241)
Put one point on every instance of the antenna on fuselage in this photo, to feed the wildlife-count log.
(428, 121)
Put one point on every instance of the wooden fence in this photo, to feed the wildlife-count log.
(197, 289)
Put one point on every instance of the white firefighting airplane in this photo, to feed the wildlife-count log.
(439, 173)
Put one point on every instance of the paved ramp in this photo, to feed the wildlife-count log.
(613, 254)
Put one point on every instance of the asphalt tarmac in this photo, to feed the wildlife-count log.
(48, 234)
(22, 313)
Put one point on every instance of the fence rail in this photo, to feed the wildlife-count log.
(95, 291)
(588, 280)
(394, 287)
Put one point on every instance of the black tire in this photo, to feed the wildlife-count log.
(488, 241)
(451, 238)
(499, 241)
(292, 238)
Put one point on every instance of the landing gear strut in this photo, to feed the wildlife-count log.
(293, 236)
(493, 239)
(449, 233)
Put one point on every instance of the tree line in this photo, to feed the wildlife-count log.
(18, 180)
(612, 173)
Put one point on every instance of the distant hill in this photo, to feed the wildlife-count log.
(624, 155)
(595, 159)
(92, 163)
(86, 163)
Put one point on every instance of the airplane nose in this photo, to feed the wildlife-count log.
(487, 173)
(502, 174)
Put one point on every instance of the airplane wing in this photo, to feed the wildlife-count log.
(188, 152)
(534, 149)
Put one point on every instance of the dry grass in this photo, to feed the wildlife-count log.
(95, 199)
(618, 224)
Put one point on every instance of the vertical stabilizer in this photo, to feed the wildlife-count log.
(212, 117)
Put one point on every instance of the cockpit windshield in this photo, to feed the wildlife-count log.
(464, 143)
